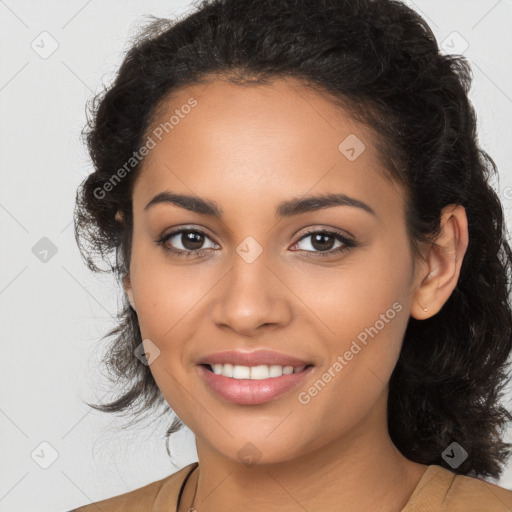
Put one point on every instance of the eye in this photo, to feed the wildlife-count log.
(321, 243)
(191, 241)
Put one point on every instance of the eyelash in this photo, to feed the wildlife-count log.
(347, 243)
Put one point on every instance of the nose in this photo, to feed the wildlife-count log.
(252, 297)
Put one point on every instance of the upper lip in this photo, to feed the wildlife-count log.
(254, 358)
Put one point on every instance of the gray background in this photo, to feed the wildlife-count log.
(53, 310)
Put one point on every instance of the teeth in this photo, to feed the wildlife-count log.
(254, 372)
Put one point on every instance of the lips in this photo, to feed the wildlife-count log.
(253, 358)
(251, 392)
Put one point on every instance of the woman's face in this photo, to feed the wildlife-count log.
(260, 282)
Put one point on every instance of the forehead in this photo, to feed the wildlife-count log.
(251, 144)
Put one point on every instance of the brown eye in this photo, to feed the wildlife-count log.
(192, 240)
(322, 243)
(185, 242)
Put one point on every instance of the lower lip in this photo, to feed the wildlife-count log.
(252, 391)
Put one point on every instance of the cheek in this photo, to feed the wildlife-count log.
(166, 293)
(355, 375)
(366, 309)
(364, 296)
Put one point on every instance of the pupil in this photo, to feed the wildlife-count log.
(321, 236)
(192, 238)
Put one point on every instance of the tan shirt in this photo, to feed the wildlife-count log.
(439, 490)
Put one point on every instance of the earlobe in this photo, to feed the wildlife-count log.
(128, 289)
(131, 301)
(443, 264)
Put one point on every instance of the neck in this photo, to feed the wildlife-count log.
(362, 470)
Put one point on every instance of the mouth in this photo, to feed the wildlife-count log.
(252, 385)
(259, 372)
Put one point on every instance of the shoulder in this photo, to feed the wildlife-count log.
(441, 490)
(476, 494)
(146, 498)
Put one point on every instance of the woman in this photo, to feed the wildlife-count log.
(314, 261)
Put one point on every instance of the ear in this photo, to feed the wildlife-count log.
(128, 289)
(440, 270)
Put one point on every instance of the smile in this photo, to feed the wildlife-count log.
(246, 385)
(253, 372)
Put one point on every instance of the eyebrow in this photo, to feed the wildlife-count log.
(287, 208)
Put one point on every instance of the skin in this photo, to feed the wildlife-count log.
(248, 148)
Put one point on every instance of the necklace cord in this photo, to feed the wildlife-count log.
(183, 488)
(191, 508)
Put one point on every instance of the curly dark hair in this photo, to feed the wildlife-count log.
(380, 61)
